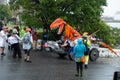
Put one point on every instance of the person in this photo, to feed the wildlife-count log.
(3, 38)
(10, 30)
(27, 41)
(72, 44)
(78, 53)
(22, 32)
(44, 38)
(87, 45)
(35, 38)
(18, 30)
(93, 39)
(14, 40)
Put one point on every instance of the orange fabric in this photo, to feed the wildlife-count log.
(107, 46)
(69, 31)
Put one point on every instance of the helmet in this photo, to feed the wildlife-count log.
(84, 36)
(27, 29)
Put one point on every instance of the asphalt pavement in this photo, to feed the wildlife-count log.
(48, 66)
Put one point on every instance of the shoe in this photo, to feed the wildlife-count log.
(3, 54)
(76, 75)
(28, 61)
(86, 66)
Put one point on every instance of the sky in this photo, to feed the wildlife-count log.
(112, 9)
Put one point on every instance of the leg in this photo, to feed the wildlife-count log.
(2, 51)
(33, 45)
(28, 56)
(81, 69)
(25, 56)
(69, 51)
(86, 62)
(19, 51)
(77, 69)
(14, 50)
(42, 43)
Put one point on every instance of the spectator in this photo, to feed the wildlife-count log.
(27, 41)
(14, 40)
(44, 37)
(3, 38)
(78, 53)
(18, 30)
(35, 38)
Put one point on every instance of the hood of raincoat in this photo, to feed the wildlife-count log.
(79, 41)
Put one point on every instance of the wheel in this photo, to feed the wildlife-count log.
(94, 54)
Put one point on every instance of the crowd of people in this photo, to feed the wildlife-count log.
(11, 36)
(77, 48)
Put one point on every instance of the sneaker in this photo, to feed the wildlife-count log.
(86, 66)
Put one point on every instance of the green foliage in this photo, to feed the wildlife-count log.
(84, 15)
(104, 33)
(115, 32)
(4, 12)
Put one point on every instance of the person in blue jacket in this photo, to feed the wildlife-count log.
(78, 52)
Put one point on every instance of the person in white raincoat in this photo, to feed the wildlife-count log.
(27, 45)
(3, 37)
(14, 40)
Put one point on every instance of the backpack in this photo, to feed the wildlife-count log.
(26, 39)
(87, 48)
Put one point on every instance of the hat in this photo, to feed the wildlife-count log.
(86, 33)
(27, 29)
(14, 31)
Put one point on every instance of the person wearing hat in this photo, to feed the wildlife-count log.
(14, 40)
(27, 42)
(87, 44)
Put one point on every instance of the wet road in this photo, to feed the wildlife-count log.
(48, 66)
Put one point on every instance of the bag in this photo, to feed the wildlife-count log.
(26, 39)
(82, 59)
(87, 51)
(87, 48)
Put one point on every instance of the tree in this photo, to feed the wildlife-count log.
(84, 15)
(4, 12)
(77, 12)
(115, 32)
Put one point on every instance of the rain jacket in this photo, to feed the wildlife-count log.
(28, 45)
(79, 49)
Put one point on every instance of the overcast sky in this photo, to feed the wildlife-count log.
(113, 6)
